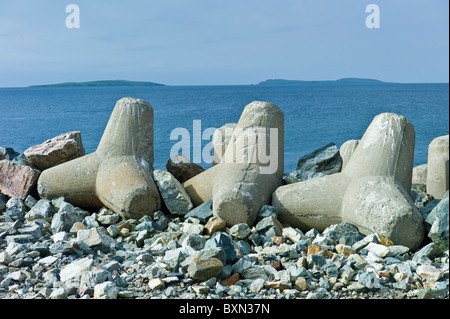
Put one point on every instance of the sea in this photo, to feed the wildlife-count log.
(315, 115)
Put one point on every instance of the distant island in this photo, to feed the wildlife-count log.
(101, 83)
(344, 81)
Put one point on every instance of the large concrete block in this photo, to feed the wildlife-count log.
(437, 171)
(250, 170)
(371, 192)
(118, 174)
(347, 150)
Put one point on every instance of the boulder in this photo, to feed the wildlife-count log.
(419, 175)
(323, 161)
(172, 192)
(437, 171)
(182, 168)
(438, 219)
(17, 180)
(58, 150)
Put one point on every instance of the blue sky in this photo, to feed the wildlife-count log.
(192, 42)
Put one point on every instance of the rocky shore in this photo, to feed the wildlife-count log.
(92, 245)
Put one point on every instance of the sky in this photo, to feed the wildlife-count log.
(222, 42)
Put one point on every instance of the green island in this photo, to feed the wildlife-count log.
(102, 83)
(343, 81)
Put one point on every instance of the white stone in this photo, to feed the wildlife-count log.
(75, 269)
(106, 290)
(381, 250)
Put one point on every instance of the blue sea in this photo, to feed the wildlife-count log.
(315, 115)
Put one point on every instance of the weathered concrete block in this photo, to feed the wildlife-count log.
(220, 140)
(419, 175)
(371, 191)
(250, 170)
(253, 164)
(437, 172)
(346, 150)
(118, 174)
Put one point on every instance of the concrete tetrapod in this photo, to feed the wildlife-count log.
(118, 174)
(372, 192)
(437, 168)
(250, 170)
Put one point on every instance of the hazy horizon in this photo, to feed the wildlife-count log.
(199, 42)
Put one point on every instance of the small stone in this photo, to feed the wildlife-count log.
(344, 250)
(257, 285)
(230, 280)
(5, 258)
(214, 224)
(240, 231)
(17, 275)
(58, 293)
(172, 192)
(43, 209)
(182, 168)
(202, 212)
(205, 269)
(193, 228)
(381, 250)
(75, 269)
(106, 290)
(277, 285)
(429, 273)
(156, 284)
(301, 284)
(293, 234)
(314, 249)
(267, 211)
(201, 289)
(94, 237)
(357, 287)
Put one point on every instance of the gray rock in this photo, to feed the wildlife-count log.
(66, 216)
(323, 161)
(195, 241)
(221, 239)
(172, 192)
(95, 237)
(16, 203)
(106, 290)
(202, 212)
(240, 231)
(59, 293)
(424, 254)
(43, 209)
(439, 220)
(267, 211)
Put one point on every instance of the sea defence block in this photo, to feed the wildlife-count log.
(220, 140)
(371, 192)
(250, 170)
(347, 150)
(118, 174)
(437, 168)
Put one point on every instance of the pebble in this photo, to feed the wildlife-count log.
(98, 255)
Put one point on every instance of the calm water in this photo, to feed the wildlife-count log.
(314, 115)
